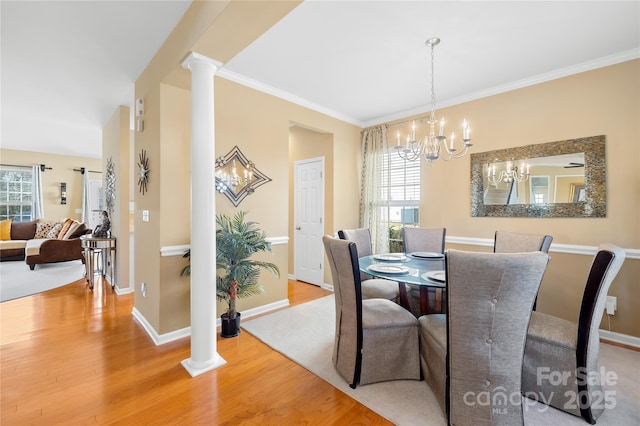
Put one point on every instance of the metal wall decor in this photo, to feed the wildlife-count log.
(110, 189)
(237, 177)
(143, 171)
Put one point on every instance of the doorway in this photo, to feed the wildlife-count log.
(308, 216)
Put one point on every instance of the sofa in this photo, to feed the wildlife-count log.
(40, 241)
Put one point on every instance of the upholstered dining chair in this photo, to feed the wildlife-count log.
(429, 240)
(372, 288)
(514, 242)
(570, 350)
(423, 239)
(472, 356)
(375, 340)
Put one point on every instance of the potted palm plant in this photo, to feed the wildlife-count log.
(236, 273)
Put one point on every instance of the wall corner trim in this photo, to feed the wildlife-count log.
(557, 248)
(181, 249)
(174, 250)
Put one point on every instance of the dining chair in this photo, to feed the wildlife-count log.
(514, 242)
(423, 239)
(372, 288)
(427, 240)
(375, 339)
(569, 351)
(472, 357)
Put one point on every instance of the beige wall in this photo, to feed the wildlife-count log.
(62, 171)
(600, 102)
(172, 196)
(259, 125)
(116, 141)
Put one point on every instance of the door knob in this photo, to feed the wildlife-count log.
(297, 228)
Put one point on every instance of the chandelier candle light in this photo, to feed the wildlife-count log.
(233, 180)
(510, 174)
(431, 145)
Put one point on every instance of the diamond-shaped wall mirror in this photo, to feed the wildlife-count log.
(237, 177)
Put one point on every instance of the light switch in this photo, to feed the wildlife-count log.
(145, 215)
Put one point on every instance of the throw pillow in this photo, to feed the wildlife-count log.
(75, 225)
(80, 230)
(55, 231)
(42, 229)
(5, 230)
(65, 228)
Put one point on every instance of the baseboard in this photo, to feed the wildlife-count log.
(161, 339)
(620, 339)
(326, 286)
(248, 313)
(121, 291)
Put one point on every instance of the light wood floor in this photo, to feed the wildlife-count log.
(71, 356)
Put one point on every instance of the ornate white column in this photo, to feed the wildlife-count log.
(204, 355)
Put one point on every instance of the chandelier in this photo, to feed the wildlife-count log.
(510, 174)
(232, 180)
(431, 146)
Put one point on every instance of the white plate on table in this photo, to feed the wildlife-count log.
(388, 269)
(396, 257)
(436, 276)
(427, 255)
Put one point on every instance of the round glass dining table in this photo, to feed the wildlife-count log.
(423, 269)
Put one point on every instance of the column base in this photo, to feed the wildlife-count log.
(198, 368)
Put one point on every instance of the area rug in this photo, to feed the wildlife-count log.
(410, 402)
(17, 280)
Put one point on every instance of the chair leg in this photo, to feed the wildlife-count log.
(32, 267)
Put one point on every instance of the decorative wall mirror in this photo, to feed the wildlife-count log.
(237, 177)
(555, 179)
(110, 186)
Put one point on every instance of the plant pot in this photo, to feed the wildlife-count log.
(230, 326)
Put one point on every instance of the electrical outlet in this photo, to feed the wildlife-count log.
(143, 289)
(612, 305)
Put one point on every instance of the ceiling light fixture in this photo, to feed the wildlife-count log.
(431, 145)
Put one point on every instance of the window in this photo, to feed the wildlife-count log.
(401, 187)
(16, 189)
(540, 189)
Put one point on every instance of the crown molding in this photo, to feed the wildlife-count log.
(605, 61)
(270, 90)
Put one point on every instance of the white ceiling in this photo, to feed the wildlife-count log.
(66, 66)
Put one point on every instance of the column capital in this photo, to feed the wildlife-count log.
(193, 58)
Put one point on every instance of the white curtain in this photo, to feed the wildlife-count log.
(38, 199)
(86, 204)
(374, 203)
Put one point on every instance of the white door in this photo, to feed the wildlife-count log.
(308, 219)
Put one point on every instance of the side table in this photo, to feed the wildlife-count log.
(105, 246)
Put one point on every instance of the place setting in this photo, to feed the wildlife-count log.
(391, 263)
(388, 268)
(391, 257)
(437, 277)
(426, 255)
